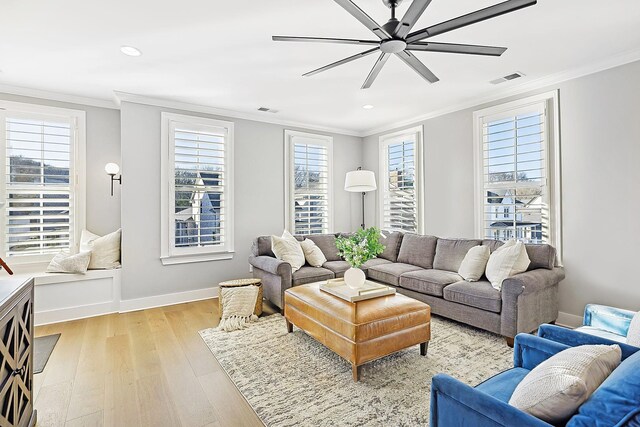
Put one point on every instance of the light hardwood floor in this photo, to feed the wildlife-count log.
(144, 368)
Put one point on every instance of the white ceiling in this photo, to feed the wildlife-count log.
(220, 54)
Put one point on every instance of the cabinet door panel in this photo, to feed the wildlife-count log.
(24, 355)
(7, 368)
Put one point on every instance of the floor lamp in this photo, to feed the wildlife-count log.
(360, 181)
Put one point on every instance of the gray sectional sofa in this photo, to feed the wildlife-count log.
(425, 268)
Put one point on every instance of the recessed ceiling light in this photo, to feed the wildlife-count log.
(130, 51)
(367, 107)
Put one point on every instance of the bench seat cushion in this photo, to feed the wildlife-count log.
(308, 274)
(430, 282)
(475, 294)
(390, 273)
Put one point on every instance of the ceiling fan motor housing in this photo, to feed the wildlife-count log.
(392, 46)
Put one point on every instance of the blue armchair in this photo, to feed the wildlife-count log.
(606, 322)
(455, 404)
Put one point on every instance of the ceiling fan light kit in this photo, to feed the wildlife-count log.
(396, 38)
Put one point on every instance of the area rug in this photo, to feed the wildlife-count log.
(42, 349)
(292, 380)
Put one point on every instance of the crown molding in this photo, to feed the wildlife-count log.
(55, 96)
(524, 87)
(185, 106)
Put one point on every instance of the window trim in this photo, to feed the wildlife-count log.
(383, 142)
(167, 236)
(289, 184)
(78, 188)
(552, 160)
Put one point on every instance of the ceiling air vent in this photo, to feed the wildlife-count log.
(267, 110)
(513, 76)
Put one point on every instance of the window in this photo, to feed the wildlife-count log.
(401, 176)
(42, 181)
(197, 166)
(308, 200)
(517, 171)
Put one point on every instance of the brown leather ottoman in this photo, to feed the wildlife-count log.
(362, 331)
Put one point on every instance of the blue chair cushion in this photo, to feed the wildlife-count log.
(502, 385)
(616, 402)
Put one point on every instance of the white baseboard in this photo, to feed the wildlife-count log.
(167, 299)
(73, 313)
(569, 320)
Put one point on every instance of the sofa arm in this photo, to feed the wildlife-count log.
(454, 403)
(610, 319)
(532, 281)
(529, 350)
(574, 338)
(271, 265)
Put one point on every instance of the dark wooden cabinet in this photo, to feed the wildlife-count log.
(16, 353)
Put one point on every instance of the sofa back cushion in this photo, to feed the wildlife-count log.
(417, 250)
(391, 244)
(451, 252)
(327, 244)
(262, 247)
(616, 401)
(541, 256)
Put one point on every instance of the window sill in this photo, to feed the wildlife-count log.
(187, 259)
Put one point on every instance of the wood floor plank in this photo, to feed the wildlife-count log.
(143, 368)
(91, 420)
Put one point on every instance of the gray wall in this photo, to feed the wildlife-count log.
(600, 143)
(103, 146)
(259, 200)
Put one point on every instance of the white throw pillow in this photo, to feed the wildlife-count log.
(633, 336)
(554, 390)
(105, 250)
(312, 253)
(474, 262)
(287, 249)
(67, 263)
(509, 259)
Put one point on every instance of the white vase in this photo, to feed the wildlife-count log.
(354, 278)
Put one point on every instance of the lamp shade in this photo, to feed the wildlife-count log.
(111, 168)
(360, 181)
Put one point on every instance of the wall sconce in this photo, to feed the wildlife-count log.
(112, 170)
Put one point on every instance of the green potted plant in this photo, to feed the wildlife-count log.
(357, 249)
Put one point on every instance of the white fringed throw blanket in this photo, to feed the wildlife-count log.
(238, 305)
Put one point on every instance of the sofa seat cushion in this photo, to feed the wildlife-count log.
(502, 385)
(475, 294)
(602, 333)
(308, 274)
(337, 267)
(430, 282)
(616, 401)
(418, 250)
(390, 273)
(451, 252)
(372, 262)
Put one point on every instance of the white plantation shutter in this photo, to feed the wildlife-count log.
(309, 177)
(199, 186)
(400, 208)
(515, 190)
(38, 192)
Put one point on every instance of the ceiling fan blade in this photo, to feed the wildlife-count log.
(359, 14)
(411, 16)
(382, 59)
(342, 61)
(470, 18)
(323, 40)
(468, 49)
(418, 66)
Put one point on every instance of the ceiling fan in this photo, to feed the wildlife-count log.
(396, 38)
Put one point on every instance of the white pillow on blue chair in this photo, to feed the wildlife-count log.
(633, 336)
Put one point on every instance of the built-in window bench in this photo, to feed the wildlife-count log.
(60, 297)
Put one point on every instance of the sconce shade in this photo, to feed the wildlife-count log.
(360, 181)
(112, 168)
